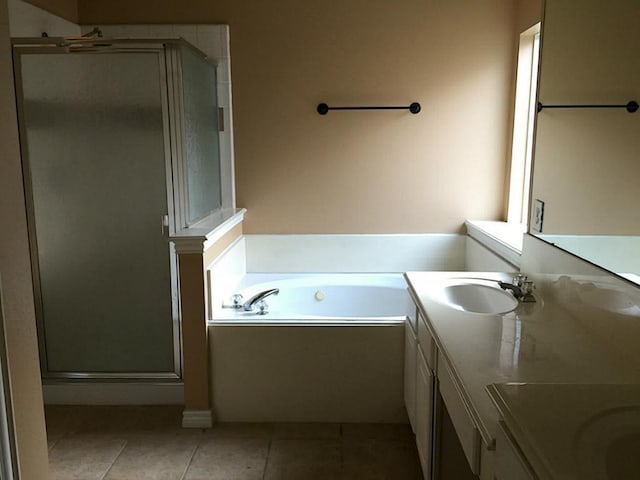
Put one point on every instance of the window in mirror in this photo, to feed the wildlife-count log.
(523, 125)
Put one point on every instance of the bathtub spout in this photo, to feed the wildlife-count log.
(249, 304)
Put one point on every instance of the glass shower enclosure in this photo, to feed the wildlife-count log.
(120, 149)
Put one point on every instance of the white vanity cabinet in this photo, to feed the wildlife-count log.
(424, 367)
(510, 463)
(424, 414)
(410, 352)
(419, 388)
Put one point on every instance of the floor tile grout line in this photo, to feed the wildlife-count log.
(266, 460)
(124, 445)
(64, 436)
(193, 454)
(341, 448)
(53, 445)
(343, 439)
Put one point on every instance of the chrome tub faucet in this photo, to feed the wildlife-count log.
(259, 297)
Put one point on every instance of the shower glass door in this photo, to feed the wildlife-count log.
(95, 153)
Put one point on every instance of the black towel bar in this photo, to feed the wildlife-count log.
(631, 107)
(323, 108)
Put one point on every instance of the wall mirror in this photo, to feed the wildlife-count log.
(587, 159)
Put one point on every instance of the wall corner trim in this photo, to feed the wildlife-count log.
(197, 419)
(201, 236)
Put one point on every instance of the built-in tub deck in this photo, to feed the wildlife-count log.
(331, 349)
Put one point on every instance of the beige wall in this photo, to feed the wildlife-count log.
(529, 12)
(22, 347)
(63, 8)
(360, 172)
(586, 161)
(215, 250)
(27, 20)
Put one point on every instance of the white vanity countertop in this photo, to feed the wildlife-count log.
(540, 342)
(574, 432)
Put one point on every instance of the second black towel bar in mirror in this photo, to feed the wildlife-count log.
(414, 108)
(631, 106)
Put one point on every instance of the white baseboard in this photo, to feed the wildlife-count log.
(197, 419)
(113, 393)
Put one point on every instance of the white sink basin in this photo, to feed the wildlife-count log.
(476, 297)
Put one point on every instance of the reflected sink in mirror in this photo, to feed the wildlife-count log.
(621, 457)
(476, 296)
(606, 447)
(609, 298)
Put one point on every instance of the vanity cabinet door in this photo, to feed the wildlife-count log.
(461, 418)
(510, 463)
(424, 414)
(410, 349)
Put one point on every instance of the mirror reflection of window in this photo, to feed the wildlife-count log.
(523, 125)
(586, 158)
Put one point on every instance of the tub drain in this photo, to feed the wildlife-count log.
(319, 295)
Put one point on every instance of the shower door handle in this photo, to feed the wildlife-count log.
(164, 222)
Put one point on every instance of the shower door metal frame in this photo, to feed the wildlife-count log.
(170, 101)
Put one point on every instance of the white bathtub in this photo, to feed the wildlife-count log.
(322, 299)
(337, 359)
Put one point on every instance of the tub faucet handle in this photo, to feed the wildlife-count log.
(236, 302)
(262, 307)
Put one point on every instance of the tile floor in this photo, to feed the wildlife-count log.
(132, 443)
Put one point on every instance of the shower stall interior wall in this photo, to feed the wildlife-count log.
(120, 149)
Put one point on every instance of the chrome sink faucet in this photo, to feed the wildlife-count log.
(251, 303)
(520, 287)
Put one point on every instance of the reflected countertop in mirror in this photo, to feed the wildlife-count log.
(571, 432)
(587, 160)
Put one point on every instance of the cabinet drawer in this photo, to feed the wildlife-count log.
(466, 429)
(510, 463)
(427, 345)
